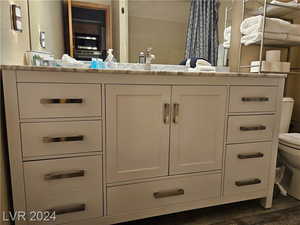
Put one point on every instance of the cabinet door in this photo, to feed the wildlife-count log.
(137, 131)
(197, 130)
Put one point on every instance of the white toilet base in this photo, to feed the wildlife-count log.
(293, 188)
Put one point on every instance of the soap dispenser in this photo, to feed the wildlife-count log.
(110, 60)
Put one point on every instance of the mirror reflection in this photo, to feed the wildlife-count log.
(176, 30)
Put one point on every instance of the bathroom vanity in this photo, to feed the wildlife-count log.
(102, 147)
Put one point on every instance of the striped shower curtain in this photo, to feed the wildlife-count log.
(202, 35)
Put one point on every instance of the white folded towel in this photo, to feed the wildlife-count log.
(255, 24)
(226, 44)
(202, 66)
(292, 3)
(227, 37)
(256, 37)
(203, 69)
(227, 33)
(273, 25)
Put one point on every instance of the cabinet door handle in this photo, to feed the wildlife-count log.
(251, 155)
(67, 209)
(175, 112)
(253, 128)
(255, 99)
(64, 175)
(168, 193)
(247, 182)
(63, 139)
(61, 101)
(166, 113)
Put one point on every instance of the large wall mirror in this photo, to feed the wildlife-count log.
(175, 29)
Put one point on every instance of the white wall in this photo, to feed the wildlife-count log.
(161, 25)
(13, 44)
(47, 16)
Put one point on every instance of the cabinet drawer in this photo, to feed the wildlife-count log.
(247, 167)
(154, 194)
(252, 99)
(56, 138)
(250, 128)
(72, 187)
(59, 100)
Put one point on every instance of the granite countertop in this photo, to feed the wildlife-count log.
(140, 72)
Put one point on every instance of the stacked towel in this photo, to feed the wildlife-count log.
(292, 3)
(256, 37)
(276, 9)
(227, 37)
(277, 29)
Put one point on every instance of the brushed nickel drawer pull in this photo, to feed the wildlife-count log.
(166, 113)
(255, 99)
(64, 175)
(63, 139)
(251, 156)
(67, 209)
(169, 193)
(175, 112)
(247, 182)
(253, 128)
(61, 101)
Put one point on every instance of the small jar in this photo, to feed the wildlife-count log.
(142, 58)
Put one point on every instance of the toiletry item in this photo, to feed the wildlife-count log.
(97, 64)
(94, 63)
(273, 56)
(100, 64)
(110, 61)
(37, 60)
(142, 58)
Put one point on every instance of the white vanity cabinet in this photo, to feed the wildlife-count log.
(150, 127)
(137, 135)
(103, 147)
(71, 187)
(250, 150)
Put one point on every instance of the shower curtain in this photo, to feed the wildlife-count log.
(202, 35)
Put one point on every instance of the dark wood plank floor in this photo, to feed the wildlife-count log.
(216, 214)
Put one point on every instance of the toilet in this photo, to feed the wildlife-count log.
(289, 149)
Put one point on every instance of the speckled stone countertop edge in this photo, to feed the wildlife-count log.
(141, 72)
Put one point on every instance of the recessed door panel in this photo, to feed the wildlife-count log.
(137, 131)
(197, 130)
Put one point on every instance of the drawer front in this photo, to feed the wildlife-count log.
(252, 99)
(59, 100)
(71, 187)
(250, 128)
(247, 167)
(56, 138)
(148, 195)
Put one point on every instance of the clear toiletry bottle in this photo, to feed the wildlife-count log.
(100, 64)
(142, 58)
(110, 61)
